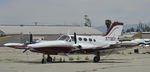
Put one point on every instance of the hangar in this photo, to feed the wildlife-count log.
(50, 30)
(21, 33)
(146, 35)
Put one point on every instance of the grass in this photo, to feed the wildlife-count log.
(78, 58)
(86, 58)
(71, 58)
(138, 35)
(4, 38)
(11, 60)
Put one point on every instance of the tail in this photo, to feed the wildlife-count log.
(114, 31)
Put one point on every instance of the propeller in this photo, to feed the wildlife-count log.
(75, 41)
(31, 38)
(30, 41)
(75, 38)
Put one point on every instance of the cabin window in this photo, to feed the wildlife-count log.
(85, 39)
(90, 39)
(94, 40)
(72, 38)
(80, 39)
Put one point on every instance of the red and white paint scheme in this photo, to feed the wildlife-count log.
(77, 43)
(15, 45)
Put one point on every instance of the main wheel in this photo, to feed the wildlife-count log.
(49, 59)
(96, 59)
(43, 61)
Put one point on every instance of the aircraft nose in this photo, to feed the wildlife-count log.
(6, 44)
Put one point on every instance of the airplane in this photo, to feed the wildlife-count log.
(132, 43)
(77, 43)
(136, 42)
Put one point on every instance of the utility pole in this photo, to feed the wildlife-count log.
(87, 21)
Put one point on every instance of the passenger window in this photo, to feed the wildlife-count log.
(90, 39)
(69, 40)
(80, 39)
(94, 40)
(85, 39)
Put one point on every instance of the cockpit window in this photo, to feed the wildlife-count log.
(64, 37)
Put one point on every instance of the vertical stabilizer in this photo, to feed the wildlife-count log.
(114, 31)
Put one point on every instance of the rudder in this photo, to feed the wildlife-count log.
(114, 31)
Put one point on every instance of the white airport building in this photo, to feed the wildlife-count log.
(21, 33)
(49, 30)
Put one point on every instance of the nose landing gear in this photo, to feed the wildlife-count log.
(44, 60)
(49, 59)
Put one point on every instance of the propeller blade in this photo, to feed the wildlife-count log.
(75, 38)
(26, 50)
(31, 38)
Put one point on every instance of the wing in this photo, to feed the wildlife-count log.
(16, 45)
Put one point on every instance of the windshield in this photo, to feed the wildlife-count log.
(72, 38)
(64, 37)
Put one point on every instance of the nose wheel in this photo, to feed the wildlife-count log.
(97, 57)
(44, 60)
(49, 59)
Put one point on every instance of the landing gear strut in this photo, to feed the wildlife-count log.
(49, 58)
(44, 60)
(97, 57)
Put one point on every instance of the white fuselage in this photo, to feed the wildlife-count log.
(66, 43)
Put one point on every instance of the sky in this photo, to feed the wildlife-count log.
(71, 12)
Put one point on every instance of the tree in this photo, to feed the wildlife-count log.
(87, 21)
(138, 30)
(108, 23)
(128, 30)
(132, 29)
(147, 28)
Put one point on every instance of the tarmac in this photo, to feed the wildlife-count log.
(13, 60)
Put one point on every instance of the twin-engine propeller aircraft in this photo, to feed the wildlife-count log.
(76, 43)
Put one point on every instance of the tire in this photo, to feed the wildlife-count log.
(96, 59)
(43, 61)
(49, 59)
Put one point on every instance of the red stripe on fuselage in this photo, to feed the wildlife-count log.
(15, 46)
(56, 50)
(52, 50)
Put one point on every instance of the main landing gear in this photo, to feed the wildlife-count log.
(44, 60)
(97, 57)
